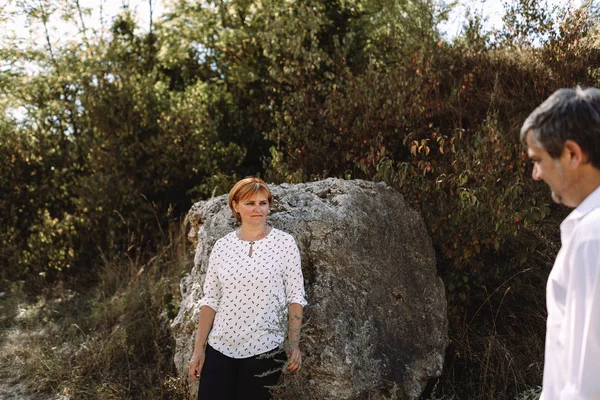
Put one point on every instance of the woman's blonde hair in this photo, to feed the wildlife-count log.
(245, 188)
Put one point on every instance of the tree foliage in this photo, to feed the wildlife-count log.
(104, 147)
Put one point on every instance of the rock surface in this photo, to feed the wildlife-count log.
(376, 324)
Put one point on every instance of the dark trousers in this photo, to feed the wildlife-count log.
(226, 378)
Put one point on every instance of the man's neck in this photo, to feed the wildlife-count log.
(589, 181)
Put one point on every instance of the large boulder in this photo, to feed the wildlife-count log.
(376, 324)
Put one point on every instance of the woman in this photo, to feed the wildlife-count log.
(253, 291)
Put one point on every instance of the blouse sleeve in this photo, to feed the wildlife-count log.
(212, 285)
(294, 281)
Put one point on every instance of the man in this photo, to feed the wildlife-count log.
(563, 140)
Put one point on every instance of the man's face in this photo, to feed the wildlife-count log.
(550, 170)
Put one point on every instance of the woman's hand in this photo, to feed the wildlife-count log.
(196, 364)
(294, 359)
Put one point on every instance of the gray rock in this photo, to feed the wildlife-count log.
(376, 324)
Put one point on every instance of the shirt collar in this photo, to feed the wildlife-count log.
(588, 204)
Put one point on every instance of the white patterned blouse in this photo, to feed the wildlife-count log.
(251, 294)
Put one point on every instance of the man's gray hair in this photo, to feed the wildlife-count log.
(568, 114)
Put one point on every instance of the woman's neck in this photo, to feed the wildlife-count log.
(253, 232)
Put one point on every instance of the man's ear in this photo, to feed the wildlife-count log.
(575, 153)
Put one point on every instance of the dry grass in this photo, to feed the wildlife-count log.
(111, 341)
(496, 352)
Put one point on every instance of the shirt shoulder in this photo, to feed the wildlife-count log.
(224, 241)
(283, 236)
(588, 227)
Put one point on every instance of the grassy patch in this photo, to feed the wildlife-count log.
(496, 349)
(108, 342)
(112, 341)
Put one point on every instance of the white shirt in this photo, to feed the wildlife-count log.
(250, 294)
(572, 359)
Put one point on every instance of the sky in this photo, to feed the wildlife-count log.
(491, 11)
(105, 10)
(102, 13)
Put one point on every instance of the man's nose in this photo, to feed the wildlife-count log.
(535, 174)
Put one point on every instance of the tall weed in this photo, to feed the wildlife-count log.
(110, 342)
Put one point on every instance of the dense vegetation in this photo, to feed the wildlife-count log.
(107, 137)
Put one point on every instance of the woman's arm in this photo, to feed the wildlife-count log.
(294, 293)
(205, 322)
(209, 306)
(294, 326)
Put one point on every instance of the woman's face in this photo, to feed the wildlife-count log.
(253, 209)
